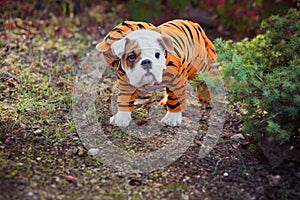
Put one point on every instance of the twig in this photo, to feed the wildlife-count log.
(217, 164)
(258, 77)
(257, 87)
(269, 118)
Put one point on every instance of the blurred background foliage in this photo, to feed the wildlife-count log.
(222, 15)
(243, 15)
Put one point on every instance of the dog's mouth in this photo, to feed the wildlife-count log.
(148, 73)
(148, 78)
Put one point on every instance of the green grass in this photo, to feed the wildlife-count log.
(43, 84)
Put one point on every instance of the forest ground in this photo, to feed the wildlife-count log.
(42, 155)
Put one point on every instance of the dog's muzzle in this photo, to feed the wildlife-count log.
(146, 64)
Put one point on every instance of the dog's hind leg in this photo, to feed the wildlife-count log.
(203, 93)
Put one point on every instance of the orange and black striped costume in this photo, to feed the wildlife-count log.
(193, 52)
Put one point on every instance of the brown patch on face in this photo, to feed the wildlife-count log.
(132, 49)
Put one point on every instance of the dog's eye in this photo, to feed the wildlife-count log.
(131, 58)
(157, 55)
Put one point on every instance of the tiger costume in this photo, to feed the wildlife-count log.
(193, 52)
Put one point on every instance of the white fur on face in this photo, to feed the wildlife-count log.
(136, 49)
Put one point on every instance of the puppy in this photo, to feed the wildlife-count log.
(145, 55)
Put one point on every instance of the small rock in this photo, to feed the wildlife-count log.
(38, 159)
(80, 151)
(67, 171)
(31, 196)
(225, 174)
(55, 144)
(23, 126)
(184, 197)
(38, 132)
(260, 190)
(274, 180)
(186, 178)
(69, 152)
(57, 179)
(94, 181)
(104, 86)
(9, 141)
(93, 151)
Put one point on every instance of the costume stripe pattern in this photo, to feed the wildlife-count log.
(193, 52)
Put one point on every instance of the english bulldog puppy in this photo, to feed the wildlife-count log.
(142, 58)
(167, 55)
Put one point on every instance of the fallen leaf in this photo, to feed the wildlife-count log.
(57, 31)
(68, 68)
(226, 135)
(44, 112)
(188, 114)
(39, 90)
(157, 185)
(11, 82)
(71, 179)
(17, 132)
(235, 145)
(141, 123)
(53, 151)
(75, 58)
(135, 182)
(80, 151)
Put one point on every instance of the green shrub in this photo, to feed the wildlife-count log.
(143, 10)
(147, 10)
(263, 77)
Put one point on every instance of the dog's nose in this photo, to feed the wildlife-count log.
(146, 62)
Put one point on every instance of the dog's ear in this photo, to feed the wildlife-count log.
(167, 43)
(102, 46)
(118, 47)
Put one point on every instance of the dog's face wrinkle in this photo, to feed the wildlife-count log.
(131, 47)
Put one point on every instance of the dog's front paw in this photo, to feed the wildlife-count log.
(172, 119)
(121, 119)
